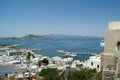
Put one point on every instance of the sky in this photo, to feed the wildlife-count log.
(70, 17)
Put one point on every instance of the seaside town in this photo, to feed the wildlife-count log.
(59, 40)
(27, 64)
(31, 63)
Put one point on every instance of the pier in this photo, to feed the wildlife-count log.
(32, 49)
(87, 53)
(73, 54)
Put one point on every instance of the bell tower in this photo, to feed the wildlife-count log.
(110, 60)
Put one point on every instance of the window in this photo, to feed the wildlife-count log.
(91, 63)
(97, 66)
(118, 46)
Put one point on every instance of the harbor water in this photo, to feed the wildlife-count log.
(51, 46)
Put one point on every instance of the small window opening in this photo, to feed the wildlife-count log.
(97, 66)
(118, 46)
(91, 63)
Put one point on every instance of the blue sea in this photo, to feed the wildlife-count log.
(50, 46)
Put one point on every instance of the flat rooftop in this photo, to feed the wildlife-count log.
(114, 25)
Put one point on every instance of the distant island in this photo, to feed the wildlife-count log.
(43, 37)
(30, 36)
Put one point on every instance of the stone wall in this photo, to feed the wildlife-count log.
(112, 37)
(110, 60)
(114, 25)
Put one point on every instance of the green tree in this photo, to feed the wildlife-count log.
(39, 63)
(28, 57)
(83, 74)
(50, 74)
(98, 76)
(45, 61)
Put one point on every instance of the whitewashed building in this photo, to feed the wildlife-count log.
(94, 62)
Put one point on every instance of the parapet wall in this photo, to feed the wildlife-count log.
(114, 25)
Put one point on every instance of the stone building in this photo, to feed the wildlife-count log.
(110, 60)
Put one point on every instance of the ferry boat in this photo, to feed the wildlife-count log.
(61, 51)
(102, 43)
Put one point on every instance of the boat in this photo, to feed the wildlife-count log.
(73, 55)
(61, 51)
(102, 43)
(19, 66)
